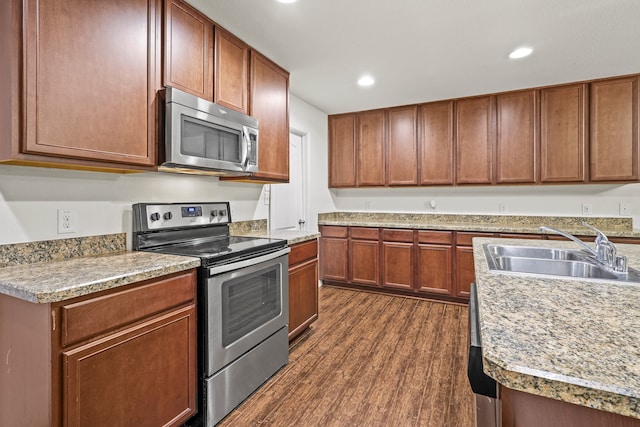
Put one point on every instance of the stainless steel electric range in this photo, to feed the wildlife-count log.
(243, 291)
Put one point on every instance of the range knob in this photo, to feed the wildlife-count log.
(223, 212)
(214, 213)
(155, 216)
(167, 215)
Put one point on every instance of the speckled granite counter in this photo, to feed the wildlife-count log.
(258, 228)
(568, 339)
(51, 271)
(613, 227)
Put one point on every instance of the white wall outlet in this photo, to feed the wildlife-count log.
(587, 209)
(67, 221)
(267, 194)
(502, 207)
(625, 209)
(367, 206)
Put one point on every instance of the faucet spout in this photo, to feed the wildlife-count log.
(570, 237)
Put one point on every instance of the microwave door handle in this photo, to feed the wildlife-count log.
(245, 148)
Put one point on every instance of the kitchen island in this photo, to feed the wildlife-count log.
(569, 340)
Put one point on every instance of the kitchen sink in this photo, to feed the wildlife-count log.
(553, 262)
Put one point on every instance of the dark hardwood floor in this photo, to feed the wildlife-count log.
(370, 360)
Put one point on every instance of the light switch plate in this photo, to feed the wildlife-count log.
(587, 209)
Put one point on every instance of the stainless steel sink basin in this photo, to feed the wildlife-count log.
(552, 262)
(535, 252)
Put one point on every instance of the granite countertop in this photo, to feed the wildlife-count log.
(57, 270)
(612, 226)
(568, 339)
(291, 236)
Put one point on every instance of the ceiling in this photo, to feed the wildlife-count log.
(426, 50)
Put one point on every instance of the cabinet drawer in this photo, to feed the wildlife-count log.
(464, 238)
(94, 316)
(365, 233)
(303, 251)
(333, 231)
(444, 237)
(390, 235)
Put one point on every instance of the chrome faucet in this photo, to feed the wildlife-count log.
(605, 251)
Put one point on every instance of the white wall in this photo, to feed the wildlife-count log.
(562, 200)
(313, 122)
(30, 198)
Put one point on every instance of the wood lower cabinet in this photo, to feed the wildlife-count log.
(78, 57)
(615, 130)
(188, 50)
(303, 286)
(334, 253)
(434, 262)
(564, 125)
(122, 356)
(342, 150)
(364, 256)
(397, 259)
(464, 264)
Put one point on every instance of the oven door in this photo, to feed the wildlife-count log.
(247, 302)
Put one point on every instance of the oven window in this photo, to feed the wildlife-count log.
(209, 141)
(248, 302)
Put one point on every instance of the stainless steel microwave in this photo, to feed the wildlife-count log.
(203, 137)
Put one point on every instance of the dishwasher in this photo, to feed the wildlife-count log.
(485, 389)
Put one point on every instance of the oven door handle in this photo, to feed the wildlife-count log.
(249, 262)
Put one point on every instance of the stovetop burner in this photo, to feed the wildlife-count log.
(194, 229)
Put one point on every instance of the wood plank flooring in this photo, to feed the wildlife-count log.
(370, 360)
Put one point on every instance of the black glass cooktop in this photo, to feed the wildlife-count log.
(222, 249)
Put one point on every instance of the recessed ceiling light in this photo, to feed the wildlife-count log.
(520, 52)
(366, 81)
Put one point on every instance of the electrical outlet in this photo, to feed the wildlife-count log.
(502, 207)
(587, 209)
(625, 209)
(67, 221)
(367, 206)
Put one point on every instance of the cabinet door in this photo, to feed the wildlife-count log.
(434, 269)
(517, 137)
(231, 71)
(270, 105)
(334, 256)
(402, 146)
(303, 296)
(614, 130)
(142, 376)
(364, 257)
(188, 50)
(475, 135)
(563, 133)
(436, 143)
(465, 273)
(342, 150)
(370, 146)
(90, 90)
(397, 265)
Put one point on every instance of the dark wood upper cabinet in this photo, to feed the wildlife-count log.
(517, 137)
(435, 130)
(232, 71)
(402, 146)
(371, 130)
(270, 105)
(90, 89)
(564, 124)
(614, 130)
(342, 150)
(188, 50)
(475, 139)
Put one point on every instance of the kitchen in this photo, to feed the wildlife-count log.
(31, 197)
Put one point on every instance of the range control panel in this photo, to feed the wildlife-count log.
(178, 215)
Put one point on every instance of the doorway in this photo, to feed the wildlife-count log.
(288, 201)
